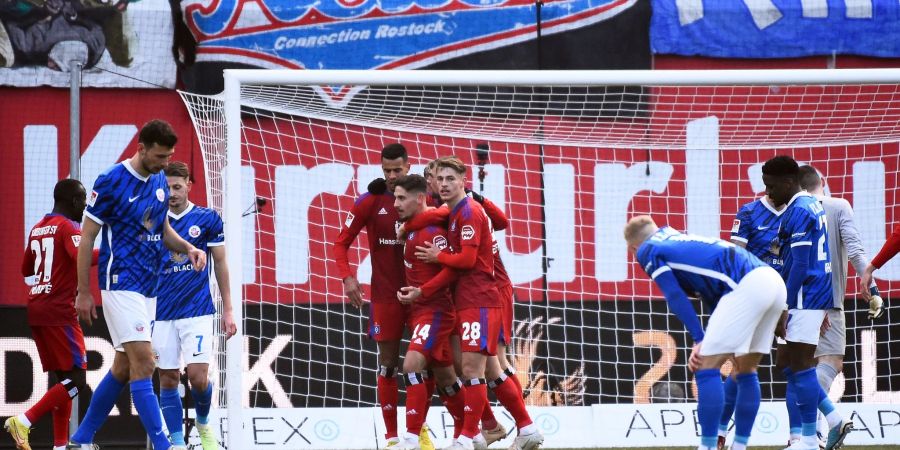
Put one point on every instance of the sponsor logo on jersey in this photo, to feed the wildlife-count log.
(440, 242)
(468, 232)
(384, 241)
(736, 227)
(160, 195)
(93, 198)
(194, 231)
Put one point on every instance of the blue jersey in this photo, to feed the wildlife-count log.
(756, 225)
(803, 224)
(132, 211)
(707, 268)
(184, 292)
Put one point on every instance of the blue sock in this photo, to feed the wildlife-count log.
(170, 403)
(746, 406)
(808, 389)
(731, 388)
(790, 401)
(147, 407)
(825, 405)
(202, 403)
(710, 401)
(102, 402)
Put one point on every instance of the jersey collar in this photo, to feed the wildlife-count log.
(771, 208)
(799, 194)
(127, 164)
(188, 209)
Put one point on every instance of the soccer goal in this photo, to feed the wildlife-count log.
(569, 155)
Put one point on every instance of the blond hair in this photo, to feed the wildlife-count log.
(639, 228)
(450, 162)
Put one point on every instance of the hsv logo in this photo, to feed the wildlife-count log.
(467, 232)
(373, 34)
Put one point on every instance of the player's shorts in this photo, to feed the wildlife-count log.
(478, 330)
(129, 317)
(507, 312)
(834, 341)
(60, 347)
(805, 325)
(183, 341)
(387, 320)
(744, 320)
(431, 336)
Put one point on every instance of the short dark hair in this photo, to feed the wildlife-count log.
(414, 184)
(178, 169)
(67, 189)
(782, 166)
(157, 132)
(451, 162)
(394, 151)
(809, 177)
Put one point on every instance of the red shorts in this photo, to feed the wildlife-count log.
(507, 312)
(431, 336)
(61, 347)
(387, 320)
(478, 330)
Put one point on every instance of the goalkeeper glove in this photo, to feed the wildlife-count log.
(378, 186)
(475, 196)
(876, 304)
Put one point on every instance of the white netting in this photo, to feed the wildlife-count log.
(588, 331)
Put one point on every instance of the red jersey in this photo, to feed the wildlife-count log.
(377, 214)
(470, 226)
(50, 257)
(498, 223)
(419, 272)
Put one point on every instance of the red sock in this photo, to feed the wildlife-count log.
(488, 420)
(455, 401)
(56, 396)
(429, 392)
(510, 396)
(476, 401)
(511, 375)
(61, 416)
(387, 395)
(416, 391)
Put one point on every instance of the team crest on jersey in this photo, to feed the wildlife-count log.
(76, 240)
(349, 220)
(194, 231)
(453, 226)
(148, 221)
(410, 235)
(468, 232)
(93, 198)
(441, 242)
(161, 195)
(736, 227)
(177, 257)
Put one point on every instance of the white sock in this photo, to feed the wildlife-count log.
(24, 420)
(738, 446)
(467, 441)
(834, 419)
(59, 447)
(821, 424)
(527, 429)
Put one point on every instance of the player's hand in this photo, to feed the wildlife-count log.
(826, 324)
(408, 294)
(85, 307)
(876, 307)
(353, 291)
(781, 326)
(694, 360)
(228, 325)
(865, 280)
(401, 232)
(428, 252)
(198, 258)
(475, 196)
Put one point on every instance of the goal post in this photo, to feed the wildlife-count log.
(594, 345)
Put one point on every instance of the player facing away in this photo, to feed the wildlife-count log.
(128, 207)
(387, 317)
(747, 298)
(432, 317)
(49, 262)
(183, 333)
(803, 248)
(844, 245)
(476, 299)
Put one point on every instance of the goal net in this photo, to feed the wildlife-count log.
(570, 157)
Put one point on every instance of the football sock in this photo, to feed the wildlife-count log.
(202, 403)
(170, 403)
(790, 402)
(147, 407)
(746, 406)
(104, 398)
(387, 396)
(710, 401)
(730, 386)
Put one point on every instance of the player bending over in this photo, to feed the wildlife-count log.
(803, 248)
(50, 259)
(185, 312)
(746, 297)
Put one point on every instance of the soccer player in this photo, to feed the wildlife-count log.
(746, 297)
(185, 312)
(890, 248)
(128, 206)
(432, 316)
(476, 299)
(50, 262)
(803, 248)
(387, 316)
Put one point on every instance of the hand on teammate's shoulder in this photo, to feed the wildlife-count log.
(377, 186)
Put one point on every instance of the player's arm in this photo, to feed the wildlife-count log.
(678, 301)
(84, 300)
(740, 231)
(356, 220)
(890, 248)
(444, 278)
(857, 254)
(176, 243)
(498, 218)
(220, 266)
(432, 217)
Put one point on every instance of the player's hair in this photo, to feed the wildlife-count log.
(178, 169)
(429, 168)
(157, 132)
(639, 227)
(414, 184)
(782, 166)
(394, 151)
(66, 189)
(809, 178)
(450, 162)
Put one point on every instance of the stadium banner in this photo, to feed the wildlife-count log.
(120, 43)
(779, 29)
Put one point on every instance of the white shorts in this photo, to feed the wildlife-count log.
(129, 316)
(183, 341)
(744, 319)
(834, 341)
(805, 325)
